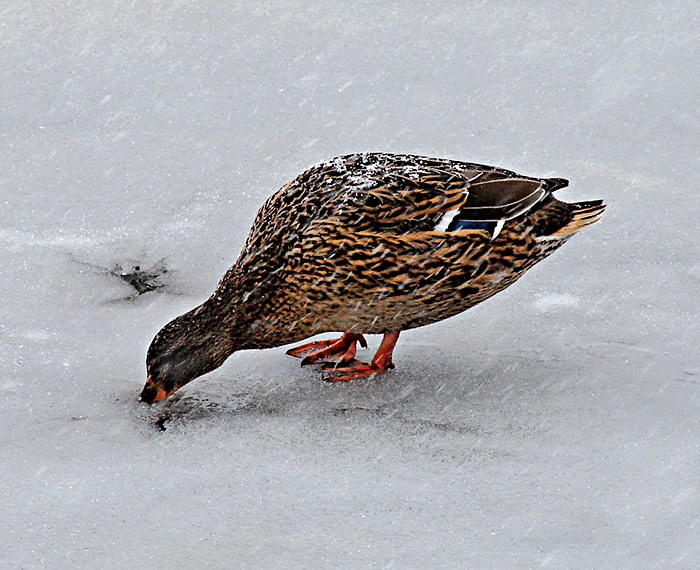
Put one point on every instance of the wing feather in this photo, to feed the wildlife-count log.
(394, 194)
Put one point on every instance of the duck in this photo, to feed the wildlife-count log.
(367, 243)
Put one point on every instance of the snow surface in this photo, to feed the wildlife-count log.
(554, 426)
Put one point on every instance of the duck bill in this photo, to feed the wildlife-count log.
(152, 393)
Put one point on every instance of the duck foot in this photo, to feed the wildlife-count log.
(335, 350)
(352, 369)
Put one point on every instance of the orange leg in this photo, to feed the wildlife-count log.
(349, 370)
(335, 350)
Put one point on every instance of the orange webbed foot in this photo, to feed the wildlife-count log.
(336, 350)
(352, 370)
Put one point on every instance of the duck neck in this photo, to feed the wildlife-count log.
(241, 309)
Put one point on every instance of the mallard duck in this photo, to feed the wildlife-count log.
(369, 243)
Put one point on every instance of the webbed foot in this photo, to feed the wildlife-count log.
(335, 350)
(352, 370)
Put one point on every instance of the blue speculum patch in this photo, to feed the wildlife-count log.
(471, 225)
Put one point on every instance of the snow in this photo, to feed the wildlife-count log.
(554, 426)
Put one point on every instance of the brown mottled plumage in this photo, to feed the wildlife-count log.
(367, 243)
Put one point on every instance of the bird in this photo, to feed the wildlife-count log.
(367, 243)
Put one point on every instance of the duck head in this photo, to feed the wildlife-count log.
(183, 350)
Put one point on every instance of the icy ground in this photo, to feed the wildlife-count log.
(554, 426)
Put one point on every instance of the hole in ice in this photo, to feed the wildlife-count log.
(142, 279)
(139, 277)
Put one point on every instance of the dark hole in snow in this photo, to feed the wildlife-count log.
(160, 422)
(144, 279)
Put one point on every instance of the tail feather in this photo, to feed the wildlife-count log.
(582, 214)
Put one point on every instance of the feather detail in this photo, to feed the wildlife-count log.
(583, 214)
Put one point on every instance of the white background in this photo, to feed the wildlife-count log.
(554, 426)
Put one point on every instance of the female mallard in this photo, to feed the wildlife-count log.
(367, 243)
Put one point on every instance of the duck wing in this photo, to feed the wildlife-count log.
(399, 194)
(395, 194)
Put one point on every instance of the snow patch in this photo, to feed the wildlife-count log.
(553, 302)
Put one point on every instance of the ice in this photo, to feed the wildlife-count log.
(555, 302)
(554, 426)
